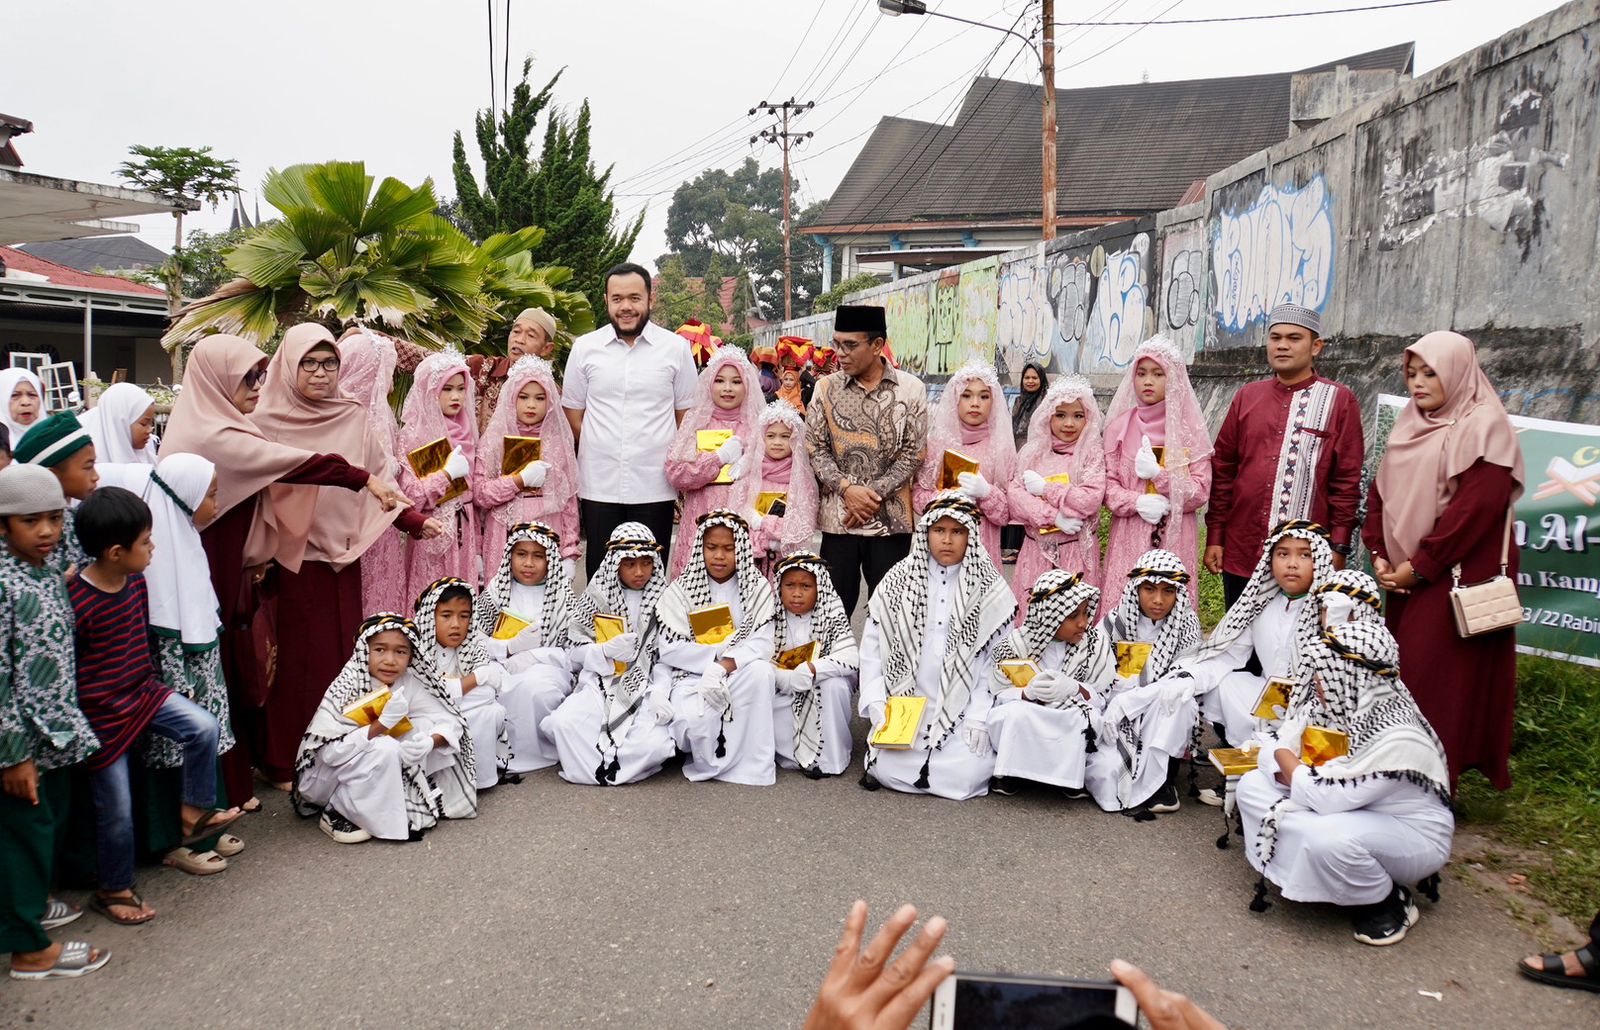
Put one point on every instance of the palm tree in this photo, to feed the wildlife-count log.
(345, 252)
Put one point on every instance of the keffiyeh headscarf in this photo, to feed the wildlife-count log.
(1263, 589)
(555, 445)
(692, 590)
(991, 445)
(1345, 596)
(800, 485)
(495, 597)
(983, 607)
(1055, 596)
(1088, 453)
(1180, 630)
(426, 802)
(706, 415)
(830, 628)
(470, 655)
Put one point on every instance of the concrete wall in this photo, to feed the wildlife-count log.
(1468, 198)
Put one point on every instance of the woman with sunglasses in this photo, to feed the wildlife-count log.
(256, 473)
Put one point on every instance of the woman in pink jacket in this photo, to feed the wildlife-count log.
(728, 398)
(367, 375)
(971, 418)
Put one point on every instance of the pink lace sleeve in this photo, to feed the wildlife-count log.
(693, 474)
(1083, 500)
(497, 491)
(1199, 488)
(424, 493)
(1123, 488)
(1026, 509)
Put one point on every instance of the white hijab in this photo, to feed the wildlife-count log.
(110, 425)
(9, 378)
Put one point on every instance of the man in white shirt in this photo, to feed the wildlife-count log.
(626, 388)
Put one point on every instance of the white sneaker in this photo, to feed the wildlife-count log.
(1211, 796)
(342, 830)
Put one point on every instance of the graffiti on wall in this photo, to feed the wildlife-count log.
(1183, 285)
(1279, 248)
(1075, 309)
(906, 312)
(977, 299)
(1024, 321)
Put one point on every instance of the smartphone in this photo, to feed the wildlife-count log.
(992, 1001)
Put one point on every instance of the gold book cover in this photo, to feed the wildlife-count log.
(609, 627)
(1161, 459)
(430, 458)
(902, 716)
(1318, 744)
(707, 441)
(1234, 761)
(950, 471)
(1131, 656)
(519, 451)
(1275, 692)
(795, 657)
(712, 625)
(772, 502)
(1019, 671)
(1063, 478)
(509, 625)
(366, 708)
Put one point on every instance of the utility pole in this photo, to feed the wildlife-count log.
(779, 133)
(1047, 69)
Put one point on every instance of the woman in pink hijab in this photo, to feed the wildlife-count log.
(1442, 497)
(221, 388)
(441, 405)
(1153, 499)
(366, 375)
(729, 398)
(971, 419)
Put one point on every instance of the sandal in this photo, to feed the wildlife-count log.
(210, 824)
(74, 960)
(58, 913)
(228, 845)
(105, 903)
(251, 806)
(1555, 970)
(195, 863)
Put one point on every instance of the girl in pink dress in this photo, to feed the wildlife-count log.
(1061, 520)
(729, 397)
(542, 491)
(366, 374)
(971, 418)
(785, 469)
(441, 404)
(1155, 407)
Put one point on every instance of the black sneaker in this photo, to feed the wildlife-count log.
(868, 782)
(1074, 793)
(1386, 923)
(341, 829)
(1003, 785)
(1164, 800)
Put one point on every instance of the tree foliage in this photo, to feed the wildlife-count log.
(181, 173)
(831, 300)
(562, 192)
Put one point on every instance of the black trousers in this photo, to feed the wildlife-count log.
(601, 518)
(1010, 538)
(851, 558)
(1232, 587)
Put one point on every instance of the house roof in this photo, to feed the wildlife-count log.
(60, 275)
(115, 253)
(1121, 150)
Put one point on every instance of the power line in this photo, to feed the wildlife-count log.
(1251, 17)
(1119, 42)
(797, 47)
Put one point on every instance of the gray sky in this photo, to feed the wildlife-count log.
(274, 84)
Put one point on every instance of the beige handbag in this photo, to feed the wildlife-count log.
(1490, 606)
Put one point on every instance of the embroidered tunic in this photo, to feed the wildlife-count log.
(39, 715)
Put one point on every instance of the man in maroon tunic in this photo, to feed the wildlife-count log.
(1289, 448)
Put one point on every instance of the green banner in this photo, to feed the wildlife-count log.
(1557, 534)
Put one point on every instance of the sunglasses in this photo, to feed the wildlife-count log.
(255, 377)
(312, 364)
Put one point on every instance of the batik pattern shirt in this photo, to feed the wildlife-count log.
(873, 438)
(69, 553)
(39, 716)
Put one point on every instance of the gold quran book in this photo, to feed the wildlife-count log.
(1062, 478)
(1131, 656)
(707, 441)
(509, 625)
(1161, 459)
(1318, 744)
(1234, 761)
(712, 625)
(795, 657)
(609, 627)
(519, 451)
(902, 716)
(772, 502)
(1020, 671)
(955, 463)
(366, 708)
(1275, 692)
(430, 458)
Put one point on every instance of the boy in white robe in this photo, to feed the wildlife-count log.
(368, 782)
(1045, 731)
(1353, 830)
(538, 669)
(471, 678)
(610, 730)
(813, 706)
(1146, 729)
(721, 693)
(932, 625)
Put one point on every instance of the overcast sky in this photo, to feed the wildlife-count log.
(274, 84)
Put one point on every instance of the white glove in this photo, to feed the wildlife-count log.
(1152, 507)
(753, 520)
(1337, 607)
(526, 640)
(1033, 483)
(976, 734)
(1049, 687)
(737, 470)
(731, 450)
(452, 686)
(1289, 733)
(414, 747)
(877, 712)
(973, 485)
(396, 709)
(456, 466)
(1145, 465)
(1114, 713)
(715, 695)
(1172, 692)
(660, 711)
(489, 677)
(1068, 525)
(621, 648)
(569, 568)
(783, 681)
(801, 681)
(533, 474)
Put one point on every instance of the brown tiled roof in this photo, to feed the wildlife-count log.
(1128, 149)
(61, 275)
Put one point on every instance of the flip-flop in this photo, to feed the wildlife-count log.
(58, 913)
(247, 809)
(104, 905)
(73, 961)
(228, 845)
(1555, 970)
(210, 824)
(195, 863)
